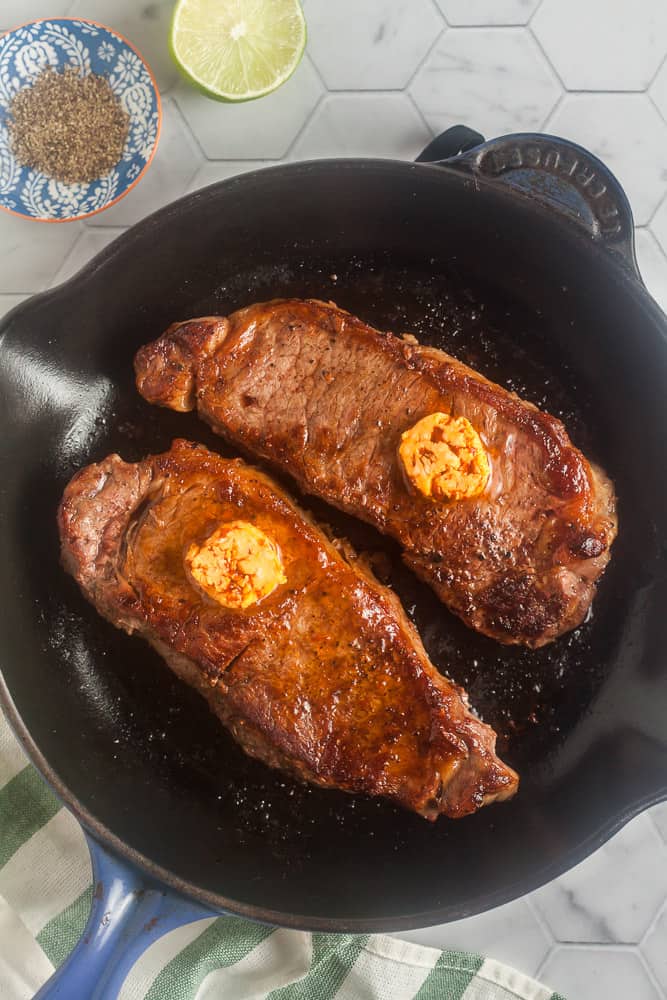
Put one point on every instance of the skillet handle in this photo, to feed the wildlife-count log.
(556, 172)
(129, 913)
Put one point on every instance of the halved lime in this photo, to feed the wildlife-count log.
(237, 50)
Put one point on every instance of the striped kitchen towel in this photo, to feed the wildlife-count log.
(45, 895)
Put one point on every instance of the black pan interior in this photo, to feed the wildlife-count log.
(500, 285)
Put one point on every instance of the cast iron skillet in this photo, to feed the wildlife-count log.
(517, 257)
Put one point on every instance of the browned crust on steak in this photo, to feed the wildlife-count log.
(320, 394)
(325, 677)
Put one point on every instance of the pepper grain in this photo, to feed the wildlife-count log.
(70, 127)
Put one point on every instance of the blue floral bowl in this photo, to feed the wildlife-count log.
(90, 48)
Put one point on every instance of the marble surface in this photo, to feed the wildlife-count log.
(497, 79)
(380, 77)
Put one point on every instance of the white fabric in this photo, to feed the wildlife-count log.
(12, 758)
(154, 959)
(380, 974)
(48, 872)
(494, 977)
(403, 951)
(278, 960)
(23, 965)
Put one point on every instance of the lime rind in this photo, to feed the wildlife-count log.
(295, 49)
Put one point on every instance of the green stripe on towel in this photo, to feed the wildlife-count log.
(59, 936)
(333, 957)
(26, 805)
(450, 976)
(224, 943)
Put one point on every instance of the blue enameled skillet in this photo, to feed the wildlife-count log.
(516, 255)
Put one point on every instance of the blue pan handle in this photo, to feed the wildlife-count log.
(129, 913)
(556, 172)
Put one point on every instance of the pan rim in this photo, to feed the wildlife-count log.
(629, 278)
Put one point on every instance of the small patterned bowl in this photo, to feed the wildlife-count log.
(91, 48)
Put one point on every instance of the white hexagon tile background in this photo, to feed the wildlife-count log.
(380, 78)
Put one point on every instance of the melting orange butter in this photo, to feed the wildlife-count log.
(444, 458)
(237, 565)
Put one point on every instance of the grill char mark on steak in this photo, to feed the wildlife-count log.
(321, 395)
(325, 678)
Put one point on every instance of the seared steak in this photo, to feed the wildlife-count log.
(516, 552)
(323, 676)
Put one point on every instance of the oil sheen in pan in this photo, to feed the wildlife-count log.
(532, 698)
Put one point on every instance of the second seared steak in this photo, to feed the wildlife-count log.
(491, 502)
(302, 654)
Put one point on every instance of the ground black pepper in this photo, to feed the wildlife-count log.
(68, 126)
